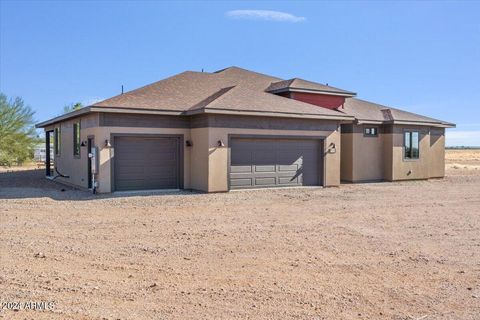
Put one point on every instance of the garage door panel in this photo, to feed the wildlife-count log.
(153, 164)
(146, 163)
(265, 181)
(288, 180)
(241, 182)
(267, 162)
(260, 168)
(162, 174)
(293, 167)
(241, 169)
(145, 185)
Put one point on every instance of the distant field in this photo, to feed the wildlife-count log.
(462, 157)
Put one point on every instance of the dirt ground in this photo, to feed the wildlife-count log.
(404, 250)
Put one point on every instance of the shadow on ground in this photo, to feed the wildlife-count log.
(25, 184)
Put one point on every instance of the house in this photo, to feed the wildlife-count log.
(235, 129)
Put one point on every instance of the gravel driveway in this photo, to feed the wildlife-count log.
(407, 250)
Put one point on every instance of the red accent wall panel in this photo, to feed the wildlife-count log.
(321, 100)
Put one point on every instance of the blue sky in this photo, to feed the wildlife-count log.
(418, 56)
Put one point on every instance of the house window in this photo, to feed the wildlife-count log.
(76, 139)
(370, 131)
(57, 140)
(411, 142)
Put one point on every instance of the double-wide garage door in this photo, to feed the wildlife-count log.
(142, 163)
(262, 162)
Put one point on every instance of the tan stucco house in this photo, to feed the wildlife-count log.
(234, 129)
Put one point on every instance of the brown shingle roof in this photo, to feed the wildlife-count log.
(297, 84)
(365, 111)
(236, 90)
(230, 89)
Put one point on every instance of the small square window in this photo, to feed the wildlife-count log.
(370, 131)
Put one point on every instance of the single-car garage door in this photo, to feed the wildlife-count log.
(259, 162)
(142, 163)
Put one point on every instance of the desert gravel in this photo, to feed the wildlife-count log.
(404, 250)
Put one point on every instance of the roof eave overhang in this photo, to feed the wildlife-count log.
(411, 123)
(91, 109)
(303, 90)
(360, 121)
(423, 123)
(63, 117)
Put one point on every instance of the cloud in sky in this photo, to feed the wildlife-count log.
(267, 15)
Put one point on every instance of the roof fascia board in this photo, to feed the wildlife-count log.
(86, 110)
(63, 117)
(136, 110)
(411, 123)
(360, 121)
(423, 123)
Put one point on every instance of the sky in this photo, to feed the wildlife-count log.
(422, 57)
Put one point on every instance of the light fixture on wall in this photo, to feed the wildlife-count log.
(107, 144)
(83, 144)
(333, 148)
(220, 143)
(189, 143)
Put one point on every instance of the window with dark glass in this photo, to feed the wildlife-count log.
(57, 140)
(76, 139)
(370, 131)
(412, 149)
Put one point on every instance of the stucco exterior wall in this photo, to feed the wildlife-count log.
(205, 167)
(205, 163)
(199, 159)
(436, 164)
(382, 157)
(387, 156)
(431, 162)
(66, 163)
(346, 158)
(368, 160)
(362, 156)
(403, 169)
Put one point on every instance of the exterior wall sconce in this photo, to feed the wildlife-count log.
(107, 144)
(83, 144)
(332, 148)
(220, 143)
(189, 143)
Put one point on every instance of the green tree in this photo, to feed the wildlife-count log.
(17, 131)
(72, 107)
